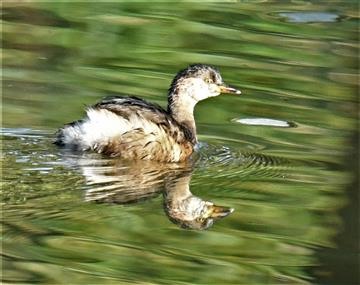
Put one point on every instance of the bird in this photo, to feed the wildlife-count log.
(132, 128)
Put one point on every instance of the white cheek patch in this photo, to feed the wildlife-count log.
(197, 89)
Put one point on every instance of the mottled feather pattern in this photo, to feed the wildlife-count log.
(133, 128)
(128, 127)
(194, 70)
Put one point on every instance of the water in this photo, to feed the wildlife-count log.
(283, 154)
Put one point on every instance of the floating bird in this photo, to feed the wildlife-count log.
(132, 128)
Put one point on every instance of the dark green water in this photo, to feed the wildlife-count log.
(84, 219)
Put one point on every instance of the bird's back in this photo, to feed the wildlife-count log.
(131, 128)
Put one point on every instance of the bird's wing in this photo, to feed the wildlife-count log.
(128, 106)
(131, 128)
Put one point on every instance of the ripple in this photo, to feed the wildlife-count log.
(290, 68)
(23, 133)
(219, 162)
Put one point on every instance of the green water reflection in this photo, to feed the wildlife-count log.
(293, 189)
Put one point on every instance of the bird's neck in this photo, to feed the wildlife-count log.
(181, 109)
(177, 187)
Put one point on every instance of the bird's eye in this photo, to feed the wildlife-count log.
(212, 77)
(208, 80)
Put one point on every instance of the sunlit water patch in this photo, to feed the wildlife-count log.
(265, 122)
(309, 17)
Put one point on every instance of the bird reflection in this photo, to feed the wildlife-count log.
(125, 182)
(187, 210)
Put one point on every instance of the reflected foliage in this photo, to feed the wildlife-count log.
(294, 62)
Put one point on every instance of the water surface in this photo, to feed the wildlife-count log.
(283, 155)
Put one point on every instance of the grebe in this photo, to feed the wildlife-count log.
(131, 128)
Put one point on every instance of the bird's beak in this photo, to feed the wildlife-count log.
(217, 212)
(228, 89)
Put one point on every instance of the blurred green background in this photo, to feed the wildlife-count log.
(294, 190)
